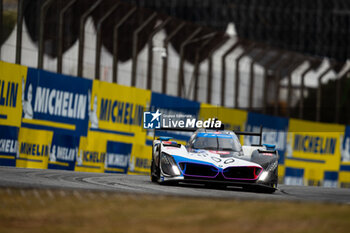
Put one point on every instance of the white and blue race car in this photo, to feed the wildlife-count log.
(216, 157)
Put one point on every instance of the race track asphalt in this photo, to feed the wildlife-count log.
(138, 184)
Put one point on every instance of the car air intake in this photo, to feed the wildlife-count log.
(242, 173)
(199, 170)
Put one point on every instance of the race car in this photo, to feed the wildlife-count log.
(216, 157)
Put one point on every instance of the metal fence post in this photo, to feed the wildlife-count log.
(278, 77)
(181, 64)
(99, 39)
(302, 87)
(210, 69)
(165, 60)
(135, 47)
(237, 74)
(339, 92)
(43, 11)
(197, 65)
(258, 57)
(319, 92)
(206, 39)
(150, 52)
(82, 36)
(223, 71)
(290, 70)
(115, 42)
(19, 31)
(273, 61)
(60, 35)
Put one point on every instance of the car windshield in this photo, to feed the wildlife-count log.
(217, 143)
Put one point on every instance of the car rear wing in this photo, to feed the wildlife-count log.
(174, 129)
(258, 134)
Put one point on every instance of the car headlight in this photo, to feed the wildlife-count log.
(168, 165)
(264, 175)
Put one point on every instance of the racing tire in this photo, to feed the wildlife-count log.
(154, 178)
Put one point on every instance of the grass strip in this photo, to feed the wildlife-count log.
(84, 211)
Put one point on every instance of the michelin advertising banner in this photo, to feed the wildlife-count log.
(55, 116)
(63, 152)
(34, 148)
(115, 128)
(12, 80)
(344, 170)
(56, 102)
(8, 145)
(315, 148)
(345, 146)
